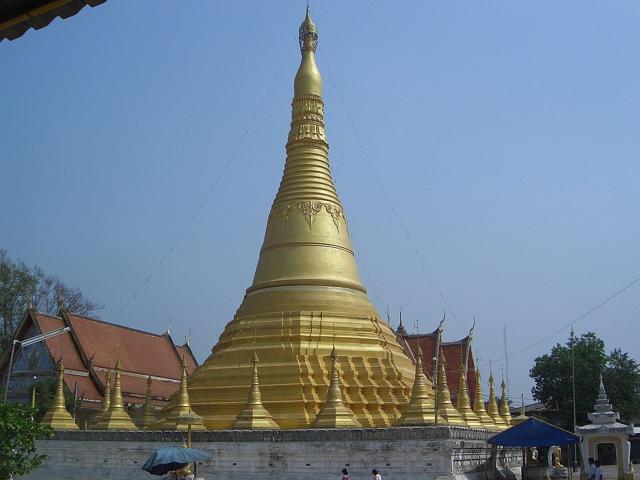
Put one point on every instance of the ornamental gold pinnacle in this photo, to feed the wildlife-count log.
(148, 412)
(106, 402)
(492, 406)
(306, 278)
(447, 413)
(478, 405)
(420, 409)
(503, 408)
(57, 417)
(117, 417)
(254, 416)
(463, 404)
(179, 407)
(335, 413)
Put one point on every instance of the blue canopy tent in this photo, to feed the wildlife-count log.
(533, 433)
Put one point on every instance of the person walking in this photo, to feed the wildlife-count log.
(345, 474)
(591, 469)
(376, 475)
(599, 472)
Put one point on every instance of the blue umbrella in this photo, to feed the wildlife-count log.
(168, 459)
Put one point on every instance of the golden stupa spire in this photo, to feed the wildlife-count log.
(57, 417)
(106, 401)
(148, 413)
(254, 416)
(420, 409)
(522, 417)
(306, 277)
(503, 407)
(447, 413)
(492, 405)
(334, 412)
(463, 403)
(478, 405)
(117, 417)
(178, 407)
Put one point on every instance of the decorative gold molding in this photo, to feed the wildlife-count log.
(309, 208)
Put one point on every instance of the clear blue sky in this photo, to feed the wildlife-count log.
(505, 135)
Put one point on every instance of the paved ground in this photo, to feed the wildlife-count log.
(610, 473)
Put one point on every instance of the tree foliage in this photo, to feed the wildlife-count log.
(21, 285)
(552, 374)
(18, 433)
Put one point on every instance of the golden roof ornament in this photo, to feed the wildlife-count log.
(57, 417)
(306, 276)
(522, 417)
(463, 404)
(420, 409)
(255, 416)
(447, 413)
(106, 402)
(148, 412)
(503, 407)
(117, 417)
(179, 407)
(335, 413)
(478, 405)
(492, 405)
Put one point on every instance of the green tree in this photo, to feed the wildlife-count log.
(21, 285)
(553, 383)
(18, 434)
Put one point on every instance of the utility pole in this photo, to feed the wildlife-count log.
(506, 355)
(573, 388)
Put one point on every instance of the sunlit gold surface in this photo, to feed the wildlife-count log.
(57, 417)
(420, 409)
(447, 413)
(148, 413)
(503, 407)
(179, 407)
(334, 413)
(492, 406)
(117, 417)
(255, 416)
(106, 402)
(463, 405)
(306, 292)
(478, 405)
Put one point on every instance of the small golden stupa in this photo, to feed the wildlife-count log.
(335, 413)
(463, 404)
(447, 413)
(492, 405)
(478, 405)
(522, 417)
(503, 407)
(254, 416)
(306, 279)
(148, 413)
(117, 417)
(105, 404)
(178, 408)
(420, 409)
(57, 417)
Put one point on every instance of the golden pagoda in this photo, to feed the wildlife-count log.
(178, 408)
(463, 404)
(306, 279)
(503, 407)
(106, 402)
(522, 417)
(255, 416)
(148, 413)
(57, 417)
(478, 405)
(420, 409)
(117, 417)
(492, 406)
(334, 412)
(446, 412)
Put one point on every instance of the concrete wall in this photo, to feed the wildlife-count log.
(408, 453)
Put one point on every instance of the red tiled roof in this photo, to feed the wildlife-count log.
(453, 353)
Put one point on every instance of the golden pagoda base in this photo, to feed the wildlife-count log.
(59, 418)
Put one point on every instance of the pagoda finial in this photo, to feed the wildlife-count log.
(447, 413)
(503, 408)
(523, 416)
(117, 417)
(308, 33)
(148, 415)
(463, 404)
(335, 413)
(478, 405)
(57, 417)
(255, 416)
(420, 409)
(492, 405)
